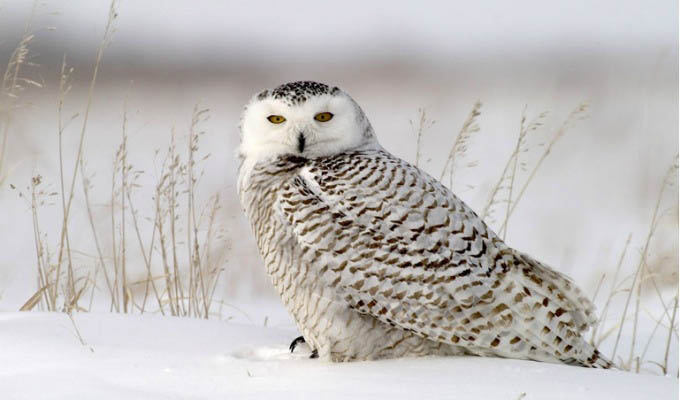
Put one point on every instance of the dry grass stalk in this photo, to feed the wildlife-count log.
(659, 323)
(612, 292)
(87, 186)
(191, 295)
(65, 85)
(161, 190)
(42, 255)
(77, 332)
(512, 162)
(638, 297)
(38, 197)
(120, 295)
(423, 124)
(598, 287)
(125, 169)
(33, 300)
(176, 171)
(643, 256)
(579, 113)
(645, 274)
(149, 281)
(460, 144)
(44, 270)
(213, 268)
(63, 242)
(13, 83)
(520, 147)
(670, 334)
(197, 278)
(650, 276)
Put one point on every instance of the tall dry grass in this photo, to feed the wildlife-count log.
(15, 80)
(644, 274)
(182, 267)
(461, 143)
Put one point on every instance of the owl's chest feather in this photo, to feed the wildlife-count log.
(260, 194)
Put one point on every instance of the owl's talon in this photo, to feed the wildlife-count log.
(315, 354)
(298, 340)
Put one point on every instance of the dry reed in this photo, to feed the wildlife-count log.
(14, 82)
(424, 123)
(636, 285)
(461, 143)
(579, 113)
(191, 275)
(510, 170)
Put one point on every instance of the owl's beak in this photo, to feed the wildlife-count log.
(301, 142)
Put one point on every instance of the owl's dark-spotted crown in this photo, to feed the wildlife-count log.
(298, 92)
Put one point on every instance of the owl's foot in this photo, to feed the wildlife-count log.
(298, 340)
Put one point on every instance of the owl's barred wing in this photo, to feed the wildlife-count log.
(397, 245)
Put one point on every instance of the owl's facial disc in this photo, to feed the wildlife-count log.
(292, 121)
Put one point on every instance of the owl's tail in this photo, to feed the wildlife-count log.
(596, 360)
(560, 315)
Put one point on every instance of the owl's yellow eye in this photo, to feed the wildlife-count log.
(276, 119)
(323, 117)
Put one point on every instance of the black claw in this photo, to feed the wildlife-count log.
(298, 340)
(315, 354)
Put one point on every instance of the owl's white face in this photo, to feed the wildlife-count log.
(305, 119)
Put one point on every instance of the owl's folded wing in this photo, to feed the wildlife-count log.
(397, 245)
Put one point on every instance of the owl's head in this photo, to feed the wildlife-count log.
(306, 119)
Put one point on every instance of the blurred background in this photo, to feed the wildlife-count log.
(599, 184)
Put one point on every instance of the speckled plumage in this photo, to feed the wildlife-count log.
(374, 258)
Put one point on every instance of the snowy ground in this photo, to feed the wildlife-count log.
(154, 357)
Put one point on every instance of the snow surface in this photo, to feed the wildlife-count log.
(156, 357)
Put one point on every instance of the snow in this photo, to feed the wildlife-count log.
(159, 357)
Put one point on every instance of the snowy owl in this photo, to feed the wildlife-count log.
(373, 258)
